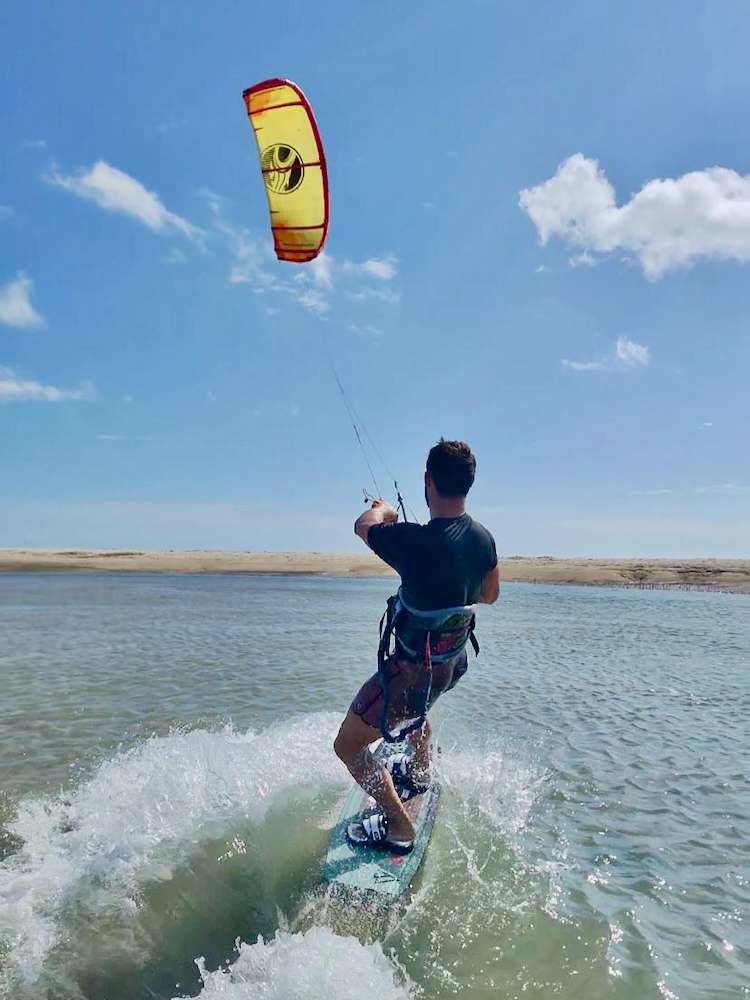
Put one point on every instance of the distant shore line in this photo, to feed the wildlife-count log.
(727, 575)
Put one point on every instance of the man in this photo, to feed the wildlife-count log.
(446, 567)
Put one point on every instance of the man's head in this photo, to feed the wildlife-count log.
(450, 471)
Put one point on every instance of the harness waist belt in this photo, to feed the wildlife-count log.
(423, 636)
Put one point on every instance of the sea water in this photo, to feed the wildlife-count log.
(167, 788)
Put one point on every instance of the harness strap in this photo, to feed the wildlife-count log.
(394, 606)
(472, 636)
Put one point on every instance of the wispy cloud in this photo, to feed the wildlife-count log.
(171, 124)
(382, 268)
(176, 256)
(386, 295)
(252, 263)
(627, 354)
(365, 330)
(729, 489)
(313, 301)
(651, 493)
(583, 366)
(116, 191)
(251, 260)
(584, 259)
(14, 390)
(322, 270)
(121, 437)
(15, 303)
(327, 274)
(632, 354)
(669, 223)
(315, 286)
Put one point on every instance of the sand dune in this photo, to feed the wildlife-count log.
(721, 574)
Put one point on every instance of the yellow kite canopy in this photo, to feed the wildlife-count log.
(293, 166)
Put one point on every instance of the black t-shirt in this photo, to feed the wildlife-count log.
(442, 564)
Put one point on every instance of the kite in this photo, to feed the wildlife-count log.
(293, 165)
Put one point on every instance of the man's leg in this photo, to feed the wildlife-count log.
(419, 741)
(445, 676)
(352, 748)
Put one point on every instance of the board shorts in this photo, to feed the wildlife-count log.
(405, 690)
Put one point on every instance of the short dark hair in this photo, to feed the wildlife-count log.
(452, 467)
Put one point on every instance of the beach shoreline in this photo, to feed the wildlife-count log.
(730, 575)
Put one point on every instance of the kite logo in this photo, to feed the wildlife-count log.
(283, 169)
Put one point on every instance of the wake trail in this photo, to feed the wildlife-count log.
(94, 851)
(140, 812)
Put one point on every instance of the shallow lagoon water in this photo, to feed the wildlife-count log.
(168, 787)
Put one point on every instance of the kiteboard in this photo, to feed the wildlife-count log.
(370, 871)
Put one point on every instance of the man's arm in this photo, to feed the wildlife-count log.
(380, 513)
(490, 586)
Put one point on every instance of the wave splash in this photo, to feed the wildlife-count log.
(142, 813)
(306, 966)
(134, 818)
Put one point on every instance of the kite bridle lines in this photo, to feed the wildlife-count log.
(361, 430)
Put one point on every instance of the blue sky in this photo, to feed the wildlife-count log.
(539, 242)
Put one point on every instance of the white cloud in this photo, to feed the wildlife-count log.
(171, 124)
(251, 259)
(387, 295)
(584, 259)
(626, 353)
(175, 256)
(669, 223)
(15, 303)
(121, 437)
(583, 366)
(651, 493)
(730, 489)
(247, 268)
(631, 353)
(382, 268)
(322, 270)
(116, 191)
(315, 286)
(365, 330)
(313, 301)
(14, 389)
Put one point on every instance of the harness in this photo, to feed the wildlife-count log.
(421, 636)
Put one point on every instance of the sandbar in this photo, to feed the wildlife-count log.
(731, 575)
